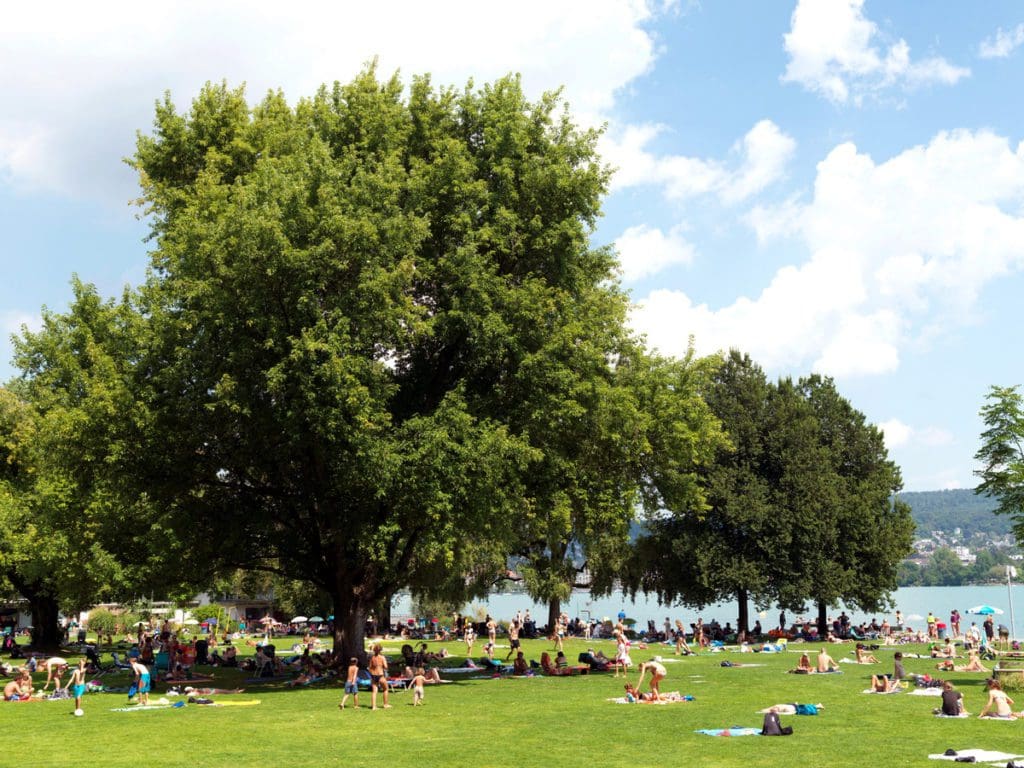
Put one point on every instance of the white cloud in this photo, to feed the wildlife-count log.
(79, 80)
(897, 251)
(1002, 44)
(763, 154)
(898, 434)
(832, 51)
(645, 251)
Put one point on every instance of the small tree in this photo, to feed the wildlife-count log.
(1002, 454)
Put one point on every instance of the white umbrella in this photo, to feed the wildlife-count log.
(140, 624)
(191, 622)
(316, 619)
(299, 620)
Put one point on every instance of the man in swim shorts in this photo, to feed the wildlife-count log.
(351, 685)
(141, 684)
(77, 683)
(513, 638)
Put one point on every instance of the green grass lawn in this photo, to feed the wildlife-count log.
(513, 722)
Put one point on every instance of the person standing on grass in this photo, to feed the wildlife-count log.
(378, 677)
(55, 668)
(622, 654)
(658, 673)
(77, 683)
(417, 688)
(492, 630)
(954, 622)
(469, 637)
(351, 684)
(513, 637)
(141, 684)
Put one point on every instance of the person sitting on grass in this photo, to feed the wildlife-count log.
(952, 702)
(520, 666)
(825, 662)
(883, 684)
(803, 667)
(20, 688)
(999, 704)
(864, 656)
(947, 651)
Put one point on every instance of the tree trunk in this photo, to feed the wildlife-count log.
(822, 620)
(350, 612)
(744, 616)
(554, 611)
(46, 634)
(383, 615)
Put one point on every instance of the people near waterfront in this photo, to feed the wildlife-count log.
(998, 704)
(378, 668)
(884, 629)
(698, 633)
(974, 636)
(933, 631)
(468, 636)
(492, 630)
(825, 662)
(899, 621)
(990, 629)
(954, 622)
(952, 701)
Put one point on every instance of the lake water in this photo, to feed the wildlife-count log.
(911, 601)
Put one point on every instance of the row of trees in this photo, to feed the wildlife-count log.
(944, 569)
(375, 350)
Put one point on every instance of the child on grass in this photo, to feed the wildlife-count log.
(77, 683)
(351, 686)
(417, 688)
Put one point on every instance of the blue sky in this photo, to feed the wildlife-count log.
(829, 185)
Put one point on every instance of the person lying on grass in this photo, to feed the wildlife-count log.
(634, 696)
(973, 664)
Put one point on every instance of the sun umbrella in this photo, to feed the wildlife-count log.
(268, 620)
(315, 619)
(191, 622)
(985, 610)
(140, 624)
(299, 620)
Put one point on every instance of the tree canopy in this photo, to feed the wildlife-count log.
(375, 348)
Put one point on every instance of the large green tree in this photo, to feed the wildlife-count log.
(375, 345)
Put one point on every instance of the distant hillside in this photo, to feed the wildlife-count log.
(959, 508)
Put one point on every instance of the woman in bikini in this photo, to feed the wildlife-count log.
(999, 704)
(378, 677)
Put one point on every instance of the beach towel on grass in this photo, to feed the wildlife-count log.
(147, 707)
(734, 731)
(883, 693)
(979, 755)
(926, 692)
(961, 716)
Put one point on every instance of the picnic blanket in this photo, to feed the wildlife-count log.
(952, 717)
(979, 755)
(883, 693)
(734, 731)
(926, 692)
(141, 707)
